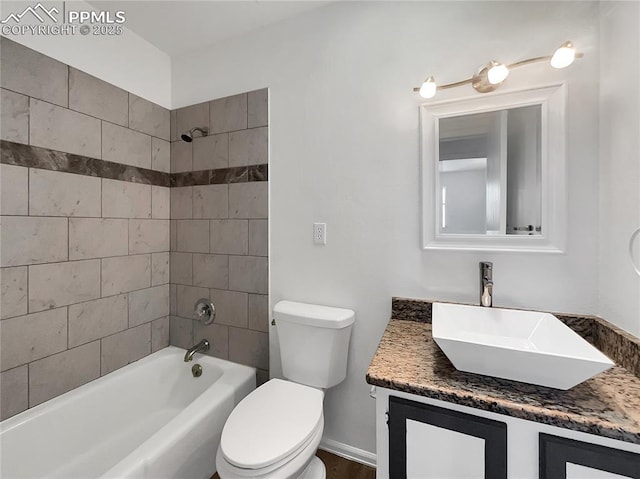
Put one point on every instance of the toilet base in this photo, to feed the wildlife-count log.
(315, 470)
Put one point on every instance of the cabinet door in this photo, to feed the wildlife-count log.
(562, 458)
(428, 442)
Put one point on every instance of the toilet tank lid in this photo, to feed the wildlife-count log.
(313, 315)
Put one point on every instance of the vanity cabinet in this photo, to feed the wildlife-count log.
(430, 442)
(424, 438)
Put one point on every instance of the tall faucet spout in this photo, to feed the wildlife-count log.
(201, 347)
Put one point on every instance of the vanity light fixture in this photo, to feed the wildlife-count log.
(491, 76)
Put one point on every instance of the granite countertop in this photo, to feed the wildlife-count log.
(409, 360)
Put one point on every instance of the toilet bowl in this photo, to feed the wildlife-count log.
(274, 432)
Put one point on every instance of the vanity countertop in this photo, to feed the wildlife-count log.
(409, 360)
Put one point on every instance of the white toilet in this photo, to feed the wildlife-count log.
(274, 432)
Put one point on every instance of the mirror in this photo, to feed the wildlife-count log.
(493, 172)
(489, 169)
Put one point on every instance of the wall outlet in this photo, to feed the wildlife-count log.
(320, 233)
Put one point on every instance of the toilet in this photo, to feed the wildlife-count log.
(275, 431)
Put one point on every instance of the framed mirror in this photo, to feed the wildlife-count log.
(494, 172)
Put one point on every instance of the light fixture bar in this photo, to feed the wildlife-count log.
(517, 64)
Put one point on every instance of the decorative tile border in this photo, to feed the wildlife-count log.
(43, 158)
(238, 174)
(619, 345)
(35, 157)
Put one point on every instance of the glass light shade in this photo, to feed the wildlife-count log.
(497, 73)
(428, 88)
(564, 56)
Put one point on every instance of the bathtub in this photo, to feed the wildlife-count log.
(150, 419)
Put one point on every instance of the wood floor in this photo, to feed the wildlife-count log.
(340, 468)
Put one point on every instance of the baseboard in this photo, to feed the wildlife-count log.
(348, 452)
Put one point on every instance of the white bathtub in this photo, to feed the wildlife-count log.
(151, 419)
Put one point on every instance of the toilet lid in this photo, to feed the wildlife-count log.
(271, 423)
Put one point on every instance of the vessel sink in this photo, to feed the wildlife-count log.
(526, 346)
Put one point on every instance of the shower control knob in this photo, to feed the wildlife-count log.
(205, 311)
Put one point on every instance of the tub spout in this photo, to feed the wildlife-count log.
(201, 347)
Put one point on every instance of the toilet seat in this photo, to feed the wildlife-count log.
(271, 426)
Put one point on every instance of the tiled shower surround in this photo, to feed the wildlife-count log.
(85, 232)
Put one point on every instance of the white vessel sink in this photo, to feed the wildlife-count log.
(526, 346)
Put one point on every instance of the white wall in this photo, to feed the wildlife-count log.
(344, 150)
(619, 286)
(127, 61)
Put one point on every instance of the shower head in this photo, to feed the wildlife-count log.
(188, 136)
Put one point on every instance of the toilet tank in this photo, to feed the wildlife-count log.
(314, 342)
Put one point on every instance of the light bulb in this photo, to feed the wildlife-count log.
(428, 88)
(564, 56)
(497, 73)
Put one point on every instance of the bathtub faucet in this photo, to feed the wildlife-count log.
(201, 347)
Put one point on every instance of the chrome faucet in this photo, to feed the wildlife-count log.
(201, 347)
(486, 284)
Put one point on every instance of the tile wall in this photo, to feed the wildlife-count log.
(219, 232)
(99, 201)
(85, 231)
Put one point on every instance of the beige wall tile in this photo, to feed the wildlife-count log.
(13, 284)
(60, 284)
(173, 234)
(211, 201)
(122, 145)
(211, 270)
(125, 273)
(53, 193)
(28, 338)
(249, 147)
(181, 156)
(193, 236)
(182, 203)
(259, 312)
(181, 268)
(229, 236)
(211, 152)
(95, 97)
(249, 200)
(96, 319)
(258, 237)
(30, 240)
(228, 114)
(191, 117)
(14, 392)
(262, 376)
(174, 119)
(173, 299)
(258, 108)
(249, 273)
(125, 347)
(97, 238)
(216, 334)
(186, 297)
(249, 347)
(122, 199)
(14, 117)
(181, 332)
(148, 304)
(14, 190)
(160, 155)
(60, 129)
(231, 307)
(160, 202)
(62, 372)
(159, 268)
(148, 236)
(148, 117)
(159, 334)
(32, 73)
